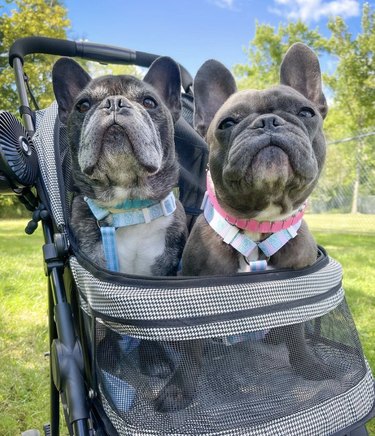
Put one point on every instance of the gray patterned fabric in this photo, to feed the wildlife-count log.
(132, 303)
(44, 145)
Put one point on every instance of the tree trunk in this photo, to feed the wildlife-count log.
(358, 158)
(355, 191)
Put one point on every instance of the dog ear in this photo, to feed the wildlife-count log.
(300, 69)
(213, 84)
(68, 79)
(164, 75)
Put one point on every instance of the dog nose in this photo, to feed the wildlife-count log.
(116, 103)
(268, 122)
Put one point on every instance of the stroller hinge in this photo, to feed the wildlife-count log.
(55, 253)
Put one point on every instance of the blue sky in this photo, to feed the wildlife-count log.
(192, 31)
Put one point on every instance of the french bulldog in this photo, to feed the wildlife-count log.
(266, 152)
(121, 141)
(121, 138)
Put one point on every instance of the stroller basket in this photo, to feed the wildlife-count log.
(245, 383)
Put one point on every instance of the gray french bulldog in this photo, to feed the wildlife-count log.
(121, 140)
(266, 152)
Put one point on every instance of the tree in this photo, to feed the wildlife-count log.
(353, 83)
(266, 51)
(30, 18)
(351, 87)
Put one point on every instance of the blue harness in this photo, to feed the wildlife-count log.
(128, 213)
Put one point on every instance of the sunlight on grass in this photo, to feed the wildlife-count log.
(24, 371)
(342, 222)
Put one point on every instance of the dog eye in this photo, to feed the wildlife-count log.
(83, 106)
(149, 103)
(227, 123)
(306, 112)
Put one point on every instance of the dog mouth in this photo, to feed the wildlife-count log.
(269, 165)
(116, 150)
(280, 157)
(272, 164)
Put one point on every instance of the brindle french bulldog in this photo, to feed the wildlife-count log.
(121, 140)
(266, 152)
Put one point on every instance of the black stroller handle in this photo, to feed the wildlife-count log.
(87, 50)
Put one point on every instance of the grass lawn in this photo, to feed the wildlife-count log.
(24, 378)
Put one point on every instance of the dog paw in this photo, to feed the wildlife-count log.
(172, 399)
(155, 361)
(161, 369)
(313, 368)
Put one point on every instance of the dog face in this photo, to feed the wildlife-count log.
(120, 130)
(267, 147)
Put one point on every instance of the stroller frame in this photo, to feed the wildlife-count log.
(68, 374)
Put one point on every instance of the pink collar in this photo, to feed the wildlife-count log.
(253, 225)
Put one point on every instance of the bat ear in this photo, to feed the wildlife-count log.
(68, 79)
(213, 85)
(164, 76)
(300, 70)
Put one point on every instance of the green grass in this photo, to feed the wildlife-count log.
(350, 239)
(24, 377)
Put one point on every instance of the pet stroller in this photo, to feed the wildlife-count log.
(97, 318)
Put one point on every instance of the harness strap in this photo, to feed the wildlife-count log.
(239, 240)
(110, 248)
(253, 225)
(124, 215)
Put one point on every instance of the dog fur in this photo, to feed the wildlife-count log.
(266, 152)
(120, 150)
(121, 139)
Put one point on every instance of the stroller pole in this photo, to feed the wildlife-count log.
(66, 354)
(54, 393)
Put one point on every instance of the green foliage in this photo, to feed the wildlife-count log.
(30, 18)
(266, 50)
(96, 70)
(353, 81)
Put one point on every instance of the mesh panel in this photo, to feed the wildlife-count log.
(153, 387)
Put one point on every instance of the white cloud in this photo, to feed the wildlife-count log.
(314, 10)
(225, 4)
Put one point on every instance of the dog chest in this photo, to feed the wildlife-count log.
(140, 245)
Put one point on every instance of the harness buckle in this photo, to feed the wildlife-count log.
(103, 223)
(146, 215)
(168, 205)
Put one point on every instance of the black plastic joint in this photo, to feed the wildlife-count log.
(51, 258)
(61, 244)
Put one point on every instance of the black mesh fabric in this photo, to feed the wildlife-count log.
(238, 386)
